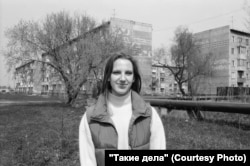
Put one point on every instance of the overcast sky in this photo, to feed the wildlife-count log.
(164, 15)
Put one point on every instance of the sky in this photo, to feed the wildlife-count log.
(164, 15)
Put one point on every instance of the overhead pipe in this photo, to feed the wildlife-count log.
(241, 108)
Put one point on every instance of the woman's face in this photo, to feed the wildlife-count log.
(122, 77)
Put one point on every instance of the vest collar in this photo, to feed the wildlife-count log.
(100, 112)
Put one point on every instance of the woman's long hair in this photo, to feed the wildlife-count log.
(136, 86)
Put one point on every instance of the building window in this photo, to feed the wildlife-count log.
(239, 39)
(240, 62)
(247, 42)
(45, 88)
(54, 87)
(30, 90)
(233, 65)
(59, 86)
(175, 87)
(243, 50)
(233, 75)
(162, 89)
(238, 48)
(233, 39)
(162, 79)
(153, 73)
(232, 50)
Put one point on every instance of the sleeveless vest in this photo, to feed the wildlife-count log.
(104, 134)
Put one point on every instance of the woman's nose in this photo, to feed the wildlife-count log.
(122, 78)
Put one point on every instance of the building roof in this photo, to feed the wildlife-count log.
(25, 64)
(130, 21)
(70, 41)
(94, 30)
(236, 31)
(157, 64)
(240, 32)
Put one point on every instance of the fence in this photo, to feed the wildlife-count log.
(233, 91)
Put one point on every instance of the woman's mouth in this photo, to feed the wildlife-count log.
(122, 85)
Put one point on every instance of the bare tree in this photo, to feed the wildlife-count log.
(70, 46)
(187, 63)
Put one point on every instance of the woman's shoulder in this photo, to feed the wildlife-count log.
(88, 112)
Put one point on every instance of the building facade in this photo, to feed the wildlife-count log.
(28, 78)
(231, 61)
(163, 82)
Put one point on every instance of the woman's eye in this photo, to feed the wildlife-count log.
(115, 72)
(129, 73)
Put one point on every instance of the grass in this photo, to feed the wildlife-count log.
(207, 134)
(39, 135)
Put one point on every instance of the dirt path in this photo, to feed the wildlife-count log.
(9, 102)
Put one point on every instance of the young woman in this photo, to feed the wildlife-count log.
(120, 119)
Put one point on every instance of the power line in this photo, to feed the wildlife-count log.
(209, 18)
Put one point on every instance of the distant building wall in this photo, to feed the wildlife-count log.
(216, 43)
(136, 34)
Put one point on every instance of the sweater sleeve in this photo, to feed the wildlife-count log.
(157, 139)
(86, 146)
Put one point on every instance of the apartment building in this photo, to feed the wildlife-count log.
(36, 78)
(137, 35)
(28, 78)
(231, 59)
(163, 82)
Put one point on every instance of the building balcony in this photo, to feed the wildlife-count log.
(162, 85)
(241, 80)
(242, 56)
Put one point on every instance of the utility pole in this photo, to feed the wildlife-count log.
(114, 13)
(232, 21)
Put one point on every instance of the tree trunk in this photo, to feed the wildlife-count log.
(193, 114)
(72, 95)
(181, 89)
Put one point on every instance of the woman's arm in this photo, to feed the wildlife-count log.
(86, 146)
(158, 138)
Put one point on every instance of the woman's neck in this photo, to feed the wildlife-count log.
(119, 100)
